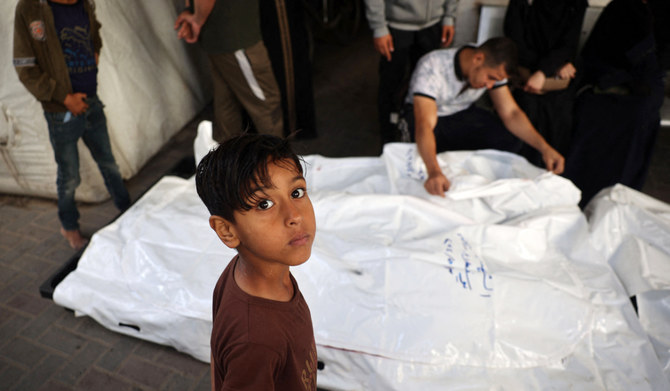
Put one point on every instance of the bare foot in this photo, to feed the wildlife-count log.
(74, 238)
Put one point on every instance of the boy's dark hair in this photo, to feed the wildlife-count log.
(227, 177)
(501, 50)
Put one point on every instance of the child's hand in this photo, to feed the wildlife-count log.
(76, 103)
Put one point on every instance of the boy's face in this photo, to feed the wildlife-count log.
(280, 227)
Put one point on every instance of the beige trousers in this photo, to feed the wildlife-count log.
(243, 80)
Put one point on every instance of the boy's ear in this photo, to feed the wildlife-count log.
(225, 231)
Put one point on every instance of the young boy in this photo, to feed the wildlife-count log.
(56, 49)
(262, 337)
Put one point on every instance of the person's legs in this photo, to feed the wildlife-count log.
(471, 129)
(64, 136)
(551, 115)
(253, 83)
(474, 128)
(96, 139)
(531, 105)
(392, 76)
(227, 110)
(287, 42)
(425, 40)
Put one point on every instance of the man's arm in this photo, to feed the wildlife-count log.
(189, 23)
(448, 20)
(517, 122)
(425, 120)
(375, 12)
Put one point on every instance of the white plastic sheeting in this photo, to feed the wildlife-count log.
(496, 286)
(150, 82)
(633, 231)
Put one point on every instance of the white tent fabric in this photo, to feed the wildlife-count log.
(150, 82)
(496, 286)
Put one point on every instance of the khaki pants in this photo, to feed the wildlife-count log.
(244, 80)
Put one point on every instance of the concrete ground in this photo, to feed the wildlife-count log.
(44, 347)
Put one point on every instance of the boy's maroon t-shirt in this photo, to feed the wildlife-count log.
(261, 344)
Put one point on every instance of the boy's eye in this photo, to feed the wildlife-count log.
(265, 204)
(298, 193)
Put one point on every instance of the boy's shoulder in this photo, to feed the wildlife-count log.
(246, 317)
(258, 333)
(221, 284)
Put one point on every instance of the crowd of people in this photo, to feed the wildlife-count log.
(546, 102)
(592, 116)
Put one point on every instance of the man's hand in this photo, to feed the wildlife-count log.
(76, 103)
(425, 117)
(188, 27)
(447, 35)
(437, 184)
(384, 45)
(535, 83)
(567, 71)
(554, 161)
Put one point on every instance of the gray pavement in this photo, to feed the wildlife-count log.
(44, 347)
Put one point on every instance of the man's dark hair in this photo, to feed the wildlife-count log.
(227, 177)
(501, 50)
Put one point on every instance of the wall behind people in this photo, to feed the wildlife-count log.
(151, 83)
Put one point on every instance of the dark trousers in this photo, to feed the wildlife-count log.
(471, 129)
(285, 36)
(394, 75)
(551, 114)
(613, 140)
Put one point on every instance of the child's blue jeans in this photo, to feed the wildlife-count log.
(64, 132)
